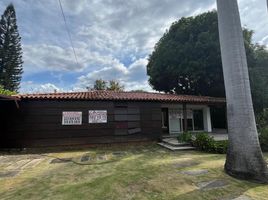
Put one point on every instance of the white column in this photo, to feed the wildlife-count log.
(207, 119)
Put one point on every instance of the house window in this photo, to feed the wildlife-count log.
(164, 117)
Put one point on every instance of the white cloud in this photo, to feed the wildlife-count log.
(49, 57)
(43, 57)
(102, 31)
(133, 78)
(112, 38)
(254, 16)
(120, 27)
(31, 87)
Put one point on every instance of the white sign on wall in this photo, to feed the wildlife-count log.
(178, 114)
(71, 118)
(175, 114)
(97, 116)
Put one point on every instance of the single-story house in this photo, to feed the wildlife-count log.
(100, 117)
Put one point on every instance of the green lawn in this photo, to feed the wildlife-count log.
(141, 172)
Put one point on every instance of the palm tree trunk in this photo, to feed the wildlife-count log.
(244, 157)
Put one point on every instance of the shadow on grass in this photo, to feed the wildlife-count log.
(73, 148)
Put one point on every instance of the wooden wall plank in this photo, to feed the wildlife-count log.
(38, 123)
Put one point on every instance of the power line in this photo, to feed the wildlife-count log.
(68, 31)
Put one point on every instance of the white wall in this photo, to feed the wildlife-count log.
(206, 113)
(207, 119)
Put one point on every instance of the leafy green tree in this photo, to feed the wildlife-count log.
(10, 51)
(187, 60)
(100, 84)
(259, 79)
(6, 92)
(115, 86)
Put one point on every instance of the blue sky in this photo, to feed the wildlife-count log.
(112, 38)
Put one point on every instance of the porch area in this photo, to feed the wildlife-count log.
(171, 142)
(219, 134)
(178, 118)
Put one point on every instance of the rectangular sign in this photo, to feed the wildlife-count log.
(97, 116)
(71, 118)
(178, 114)
(175, 114)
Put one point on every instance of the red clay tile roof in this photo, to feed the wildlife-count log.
(123, 96)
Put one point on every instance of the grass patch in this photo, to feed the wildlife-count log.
(142, 172)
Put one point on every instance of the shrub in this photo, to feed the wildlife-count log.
(264, 139)
(220, 146)
(204, 142)
(185, 137)
(262, 119)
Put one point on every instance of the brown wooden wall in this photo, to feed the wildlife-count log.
(39, 123)
(4, 105)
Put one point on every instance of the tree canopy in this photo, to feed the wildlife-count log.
(115, 86)
(100, 85)
(108, 85)
(187, 60)
(10, 51)
(6, 92)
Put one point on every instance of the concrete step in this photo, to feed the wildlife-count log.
(174, 142)
(174, 148)
(170, 136)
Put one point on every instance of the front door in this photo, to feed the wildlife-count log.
(175, 116)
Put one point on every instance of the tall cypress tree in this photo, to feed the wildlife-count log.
(10, 51)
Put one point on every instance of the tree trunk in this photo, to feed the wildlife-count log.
(244, 157)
